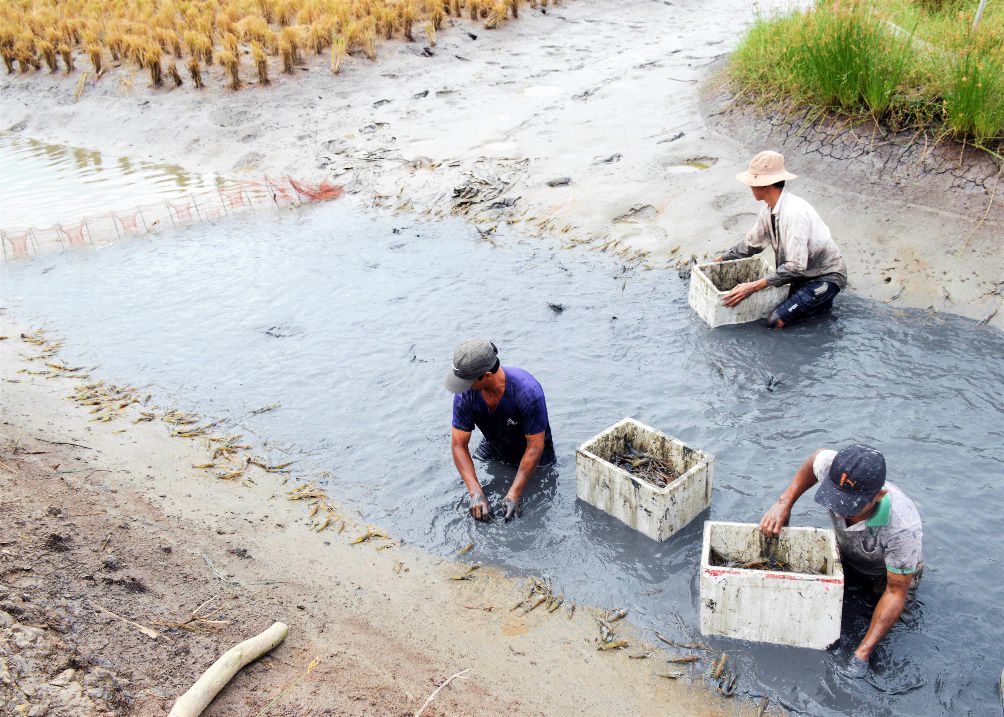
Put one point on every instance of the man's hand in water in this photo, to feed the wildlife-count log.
(480, 509)
(855, 668)
(742, 292)
(511, 508)
(775, 519)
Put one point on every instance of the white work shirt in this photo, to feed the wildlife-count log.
(802, 244)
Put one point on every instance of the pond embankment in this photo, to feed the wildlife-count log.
(605, 94)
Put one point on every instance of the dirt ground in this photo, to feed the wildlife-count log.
(605, 94)
(107, 534)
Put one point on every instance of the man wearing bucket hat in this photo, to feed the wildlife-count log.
(877, 527)
(507, 404)
(806, 257)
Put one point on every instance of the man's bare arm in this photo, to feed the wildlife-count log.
(777, 516)
(887, 612)
(527, 467)
(460, 441)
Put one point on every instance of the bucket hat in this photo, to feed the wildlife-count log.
(766, 168)
(472, 360)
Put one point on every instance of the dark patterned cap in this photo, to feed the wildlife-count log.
(857, 474)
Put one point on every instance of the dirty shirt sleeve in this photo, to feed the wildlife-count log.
(534, 410)
(754, 242)
(463, 416)
(903, 550)
(821, 464)
(795, 243)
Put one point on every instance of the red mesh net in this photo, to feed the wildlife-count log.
(182, 210)
(129, 222)
(18, 243)
(322, 192)
(235, 198)
(207, 205)
(75, 235)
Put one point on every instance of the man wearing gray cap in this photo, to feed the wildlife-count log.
(507, 404)
(878, 531)
(806, 258)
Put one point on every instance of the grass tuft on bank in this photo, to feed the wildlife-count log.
(904, 63)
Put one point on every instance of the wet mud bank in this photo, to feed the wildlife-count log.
(581, 124)
(947, 197)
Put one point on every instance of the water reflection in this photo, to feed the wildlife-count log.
(50, 183)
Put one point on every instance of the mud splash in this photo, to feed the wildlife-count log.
(348, 321)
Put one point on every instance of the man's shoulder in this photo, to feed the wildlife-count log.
(904, 514)
(793, 201)
(523, 379)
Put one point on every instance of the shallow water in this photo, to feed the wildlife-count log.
(89, 183)
(349, 321)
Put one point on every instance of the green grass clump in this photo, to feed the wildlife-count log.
(904, 64)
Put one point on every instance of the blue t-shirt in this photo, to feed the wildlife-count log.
(522, 412)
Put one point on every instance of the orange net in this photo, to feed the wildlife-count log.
(210, 205)
(322, 192)
(74, 235)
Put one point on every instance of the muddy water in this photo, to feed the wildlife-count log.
(350, 321)
(90, 183)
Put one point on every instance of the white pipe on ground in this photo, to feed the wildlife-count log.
(198, 697)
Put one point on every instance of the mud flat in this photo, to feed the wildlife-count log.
(105, 530)
(605, 94)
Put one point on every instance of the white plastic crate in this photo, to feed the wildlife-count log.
(800, 608)
(656, 512)
(709, 283)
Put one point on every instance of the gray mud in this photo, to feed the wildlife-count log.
(349, 322)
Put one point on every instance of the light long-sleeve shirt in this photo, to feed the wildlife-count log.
(803, 247)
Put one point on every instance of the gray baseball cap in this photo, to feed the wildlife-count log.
(472, 359)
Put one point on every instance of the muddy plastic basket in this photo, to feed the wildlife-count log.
(656, 512)
(709, 283)
(799, 606)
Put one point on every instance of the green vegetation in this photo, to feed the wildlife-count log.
(904, 63)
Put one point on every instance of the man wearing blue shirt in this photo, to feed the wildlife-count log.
(507, 404)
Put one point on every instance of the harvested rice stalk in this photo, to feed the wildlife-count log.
(172, 72)
(307, 491)
(64, 52)
(370, 534)
(615, 645)
(338, 52)
(261, 65)
(48, 52)
(195, 72)
(232, 65)
(94, 53)
(288, 45)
